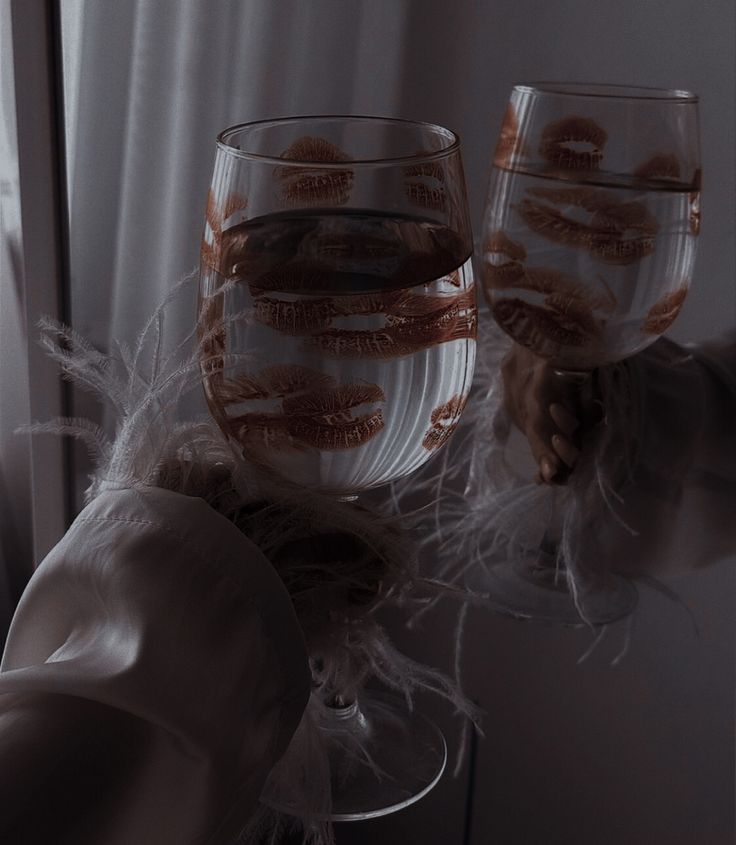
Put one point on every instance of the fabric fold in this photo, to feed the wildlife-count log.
(157, 606)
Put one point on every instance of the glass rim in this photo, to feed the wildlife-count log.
(226, 134)
(597, 90)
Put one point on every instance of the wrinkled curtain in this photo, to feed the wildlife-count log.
(140, 166)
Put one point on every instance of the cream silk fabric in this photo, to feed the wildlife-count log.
(174, 659)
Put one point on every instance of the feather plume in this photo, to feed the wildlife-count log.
(340, 561)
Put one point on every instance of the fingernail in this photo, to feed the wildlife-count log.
(547, 469)
(565, 450)
(563, 418)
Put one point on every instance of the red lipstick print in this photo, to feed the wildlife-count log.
(550, 281)
(552, 224)
(333, 400)
(212, 214)
(315, 413)
(618, 232)
(336, 435)
(404, 333)
(294, 318)
(508, 141)
(233, 203)
(620, 251)
(210, 255)
(502, 244)
(445, 419)
(664, 313)
(424, 184)
(307, 186)
(303, 317)
(277, 381)
(573, 143)
(659, 166)
(500, 274)
(539, 328)
(572, 311)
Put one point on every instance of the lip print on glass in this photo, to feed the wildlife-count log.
(444, 421)
(309, 186)
(664, 313)
(509, 142)
(446, 319)
(313, 412)
(573, 143)
(424, 184)
(617, 232)
(659, 166)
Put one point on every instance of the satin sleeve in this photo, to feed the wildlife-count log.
(161, 616)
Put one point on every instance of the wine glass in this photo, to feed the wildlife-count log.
(589, 239)
(338, 318)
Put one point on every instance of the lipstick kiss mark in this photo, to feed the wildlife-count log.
(504, 267)
(209, 254)
(424, 184)
(501, 243)
(574, 310)
(312, 185)
(212, 213)
(306, 316)
(573, 143)
(541, 329)
(553, 225)
(314, 412)
(509, 144)
(444, 419)
(278, 380)
(659, 166)
(413, 323)
(402, 335)
(664, 313)
(234, 202)
(331, 435)
(294, 318)
(618, 232)
(552, 282)
(333, 400)
(211, 246)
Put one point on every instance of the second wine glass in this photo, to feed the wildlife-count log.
(589, 235)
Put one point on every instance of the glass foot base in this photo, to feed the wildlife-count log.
(382, 756)
(533, 589)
